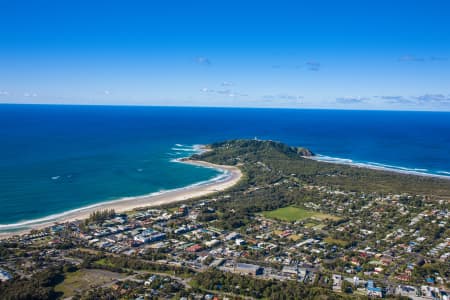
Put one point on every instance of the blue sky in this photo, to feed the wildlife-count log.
(302, 54)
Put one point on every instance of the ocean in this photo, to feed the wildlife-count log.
(58, 158)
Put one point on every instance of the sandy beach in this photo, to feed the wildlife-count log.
(231, 176)
(374, 167)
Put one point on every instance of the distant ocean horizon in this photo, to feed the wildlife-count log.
(56, 158)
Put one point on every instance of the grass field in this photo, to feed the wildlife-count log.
(319, 227)
(310, 224)
(104, 262)
(294, 237)
(337, 242)
(292, 213)
(81, 279)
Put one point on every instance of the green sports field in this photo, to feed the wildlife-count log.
(292, 213)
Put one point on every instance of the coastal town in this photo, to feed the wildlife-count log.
(345, 242)
(225, 150)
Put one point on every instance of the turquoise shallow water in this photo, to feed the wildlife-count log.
(58, 158)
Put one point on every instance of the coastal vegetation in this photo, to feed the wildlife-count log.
(100, 216)
(40, 286)
(259, 158)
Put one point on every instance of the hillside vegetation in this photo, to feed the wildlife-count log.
(282, 160)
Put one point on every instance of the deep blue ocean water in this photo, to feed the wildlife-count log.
(58, 158)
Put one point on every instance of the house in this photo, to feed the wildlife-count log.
(430, 292)
(337, 281)
(232, 236)
(4, 276)
(240, 242)
(386, 260)
(185, 228)
(182, 210)
(373, 291)
(149, 236)
(194, 248)
(212, 243)
(378, 270)
(405, 276)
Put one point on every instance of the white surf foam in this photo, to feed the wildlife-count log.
(443, 172)
(186, 149)
(381, 166)
(222, 176)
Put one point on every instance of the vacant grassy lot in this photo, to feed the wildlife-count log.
(336, 242)
(104, 262)
(294, 237)
(85, 278)
(292, 213)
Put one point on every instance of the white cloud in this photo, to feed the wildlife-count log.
(30, 95)
(206, 90)
(224, 92)
(351, 100)
(434, 98)
(282, 100)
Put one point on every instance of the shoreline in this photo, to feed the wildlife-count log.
(393, 169)
(231, 176)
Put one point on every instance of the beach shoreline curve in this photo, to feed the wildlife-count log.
(230, 176)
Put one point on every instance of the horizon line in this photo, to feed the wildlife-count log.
(227, 107)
